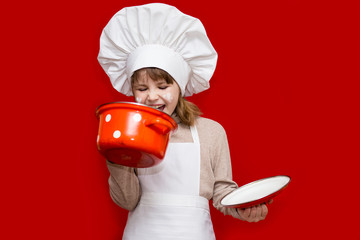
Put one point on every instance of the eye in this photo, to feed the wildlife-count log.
(163, 87)
(141, 89)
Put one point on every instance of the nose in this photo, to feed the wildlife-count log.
(153, 95)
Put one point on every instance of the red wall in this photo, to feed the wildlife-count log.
(284, 90)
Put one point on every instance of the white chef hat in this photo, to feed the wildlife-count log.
(157, 35)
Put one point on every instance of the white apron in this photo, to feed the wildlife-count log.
(170, 206)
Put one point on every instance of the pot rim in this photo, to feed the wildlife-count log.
(143, 107)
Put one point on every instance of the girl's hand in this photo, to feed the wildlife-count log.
(255, 213)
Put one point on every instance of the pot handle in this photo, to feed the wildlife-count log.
(159, 125)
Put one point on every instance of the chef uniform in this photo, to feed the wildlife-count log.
(170, 206)
(159, 35)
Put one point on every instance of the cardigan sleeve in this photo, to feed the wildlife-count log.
(124, 186)
(222, 170)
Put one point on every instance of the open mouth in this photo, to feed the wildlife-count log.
(159, 107)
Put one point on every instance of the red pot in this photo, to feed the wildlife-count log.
(133, 134)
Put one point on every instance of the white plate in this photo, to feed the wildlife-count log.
(257, 192)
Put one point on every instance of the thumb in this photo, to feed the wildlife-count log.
(269, 202)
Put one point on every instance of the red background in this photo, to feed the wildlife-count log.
(285, 90)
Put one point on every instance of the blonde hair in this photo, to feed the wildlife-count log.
(185, 110)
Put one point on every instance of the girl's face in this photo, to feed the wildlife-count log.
(158, 94)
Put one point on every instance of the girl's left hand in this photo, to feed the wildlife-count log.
(255, 213)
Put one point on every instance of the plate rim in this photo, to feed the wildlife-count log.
(254, 202)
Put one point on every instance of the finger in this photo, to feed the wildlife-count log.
(259, 210)
(253, 212)
(270, 201)
(247, 212)
(254, 217)
(261, 214)
(241, 212)
(244, 213)
(265, 211)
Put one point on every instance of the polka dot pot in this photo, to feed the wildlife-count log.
(133, 134)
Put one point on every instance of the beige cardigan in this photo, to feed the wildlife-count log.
(215, 176)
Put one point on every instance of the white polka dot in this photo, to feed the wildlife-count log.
(117, 134)
(137, 117)
(108, 118)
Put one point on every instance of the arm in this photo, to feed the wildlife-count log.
(221, 167)
(224, 184)
(124, 186)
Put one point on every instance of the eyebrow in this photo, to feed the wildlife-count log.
(139, 85)
(157, 82)
(161, 81)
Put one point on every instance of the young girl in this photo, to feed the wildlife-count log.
(160, 55)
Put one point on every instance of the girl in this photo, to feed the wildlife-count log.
(160, 55)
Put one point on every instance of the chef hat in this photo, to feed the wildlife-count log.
(157, 35)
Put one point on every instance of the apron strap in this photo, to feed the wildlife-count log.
(194, 134)
(162, 199)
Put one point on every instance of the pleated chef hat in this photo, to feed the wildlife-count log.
(157, 35)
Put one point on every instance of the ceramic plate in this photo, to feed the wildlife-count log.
(257, 192)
